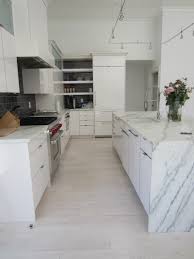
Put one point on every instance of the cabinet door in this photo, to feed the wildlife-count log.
(74, 123)
(134, 156)
(11, 69)
(145, 180)
(125, 151)
(109, 87)
(3, 86)
(6, 18)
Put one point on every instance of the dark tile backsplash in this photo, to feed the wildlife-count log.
(8, 101)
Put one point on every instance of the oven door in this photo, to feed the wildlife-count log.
(55, 150)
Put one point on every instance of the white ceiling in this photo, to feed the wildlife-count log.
(72, 9)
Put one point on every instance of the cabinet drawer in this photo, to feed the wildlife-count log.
(86, 123)
(146, 146)
(86, 115)
(103, 128)
(40, 182)
(103, 61)
(103, 116)
(38, 157)
(36, 142)
(86, 130)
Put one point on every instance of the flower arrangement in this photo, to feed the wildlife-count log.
(176, 95)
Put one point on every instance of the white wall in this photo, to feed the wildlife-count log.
(177, 57)
(84, 36)
(137, 81)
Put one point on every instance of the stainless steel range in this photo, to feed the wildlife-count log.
(54, 136)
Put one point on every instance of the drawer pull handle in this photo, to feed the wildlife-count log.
(135, 135)
(42, 166)
(39, 146)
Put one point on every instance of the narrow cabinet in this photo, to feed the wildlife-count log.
(145, 180)
(9, 61)
(74, 123)
(125, 150)
(134, 156)
(3, 86)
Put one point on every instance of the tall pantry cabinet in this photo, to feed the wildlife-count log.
(109, 89)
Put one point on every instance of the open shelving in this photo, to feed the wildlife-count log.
(74, 82)
(77, 70)
(75, 94)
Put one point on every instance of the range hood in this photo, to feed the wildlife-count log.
(33, 62)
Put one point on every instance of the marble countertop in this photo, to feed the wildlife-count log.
(146, 124)
(23, 134)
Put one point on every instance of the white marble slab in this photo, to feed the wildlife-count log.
(23, 134)
(172, 176)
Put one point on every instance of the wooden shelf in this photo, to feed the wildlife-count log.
(77, 70)
(73, 82)
(73, 94)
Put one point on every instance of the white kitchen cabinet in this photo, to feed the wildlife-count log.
(26, 177)
(8, 63)
(109, 88)
(74, 123)
(31, 29)
(38, 81)
(145, 180)
(103, 123)
(109, 60)
(3, 85)
(134, 158)
(125, 150)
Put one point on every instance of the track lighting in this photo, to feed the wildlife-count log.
(121, 16)
(181, 35)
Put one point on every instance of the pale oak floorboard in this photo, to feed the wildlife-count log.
(91, 212)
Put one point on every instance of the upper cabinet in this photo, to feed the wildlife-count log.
(6, 18)
(8, 63)
(31, 29)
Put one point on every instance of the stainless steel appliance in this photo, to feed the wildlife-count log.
(67, 120)
(55, 133)
(54, 136)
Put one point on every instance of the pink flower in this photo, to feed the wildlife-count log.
(169, 90)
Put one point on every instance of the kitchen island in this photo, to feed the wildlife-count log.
(160, 163)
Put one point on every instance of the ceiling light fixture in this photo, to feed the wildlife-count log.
(179, 34)
(181, 37)
(120, 17)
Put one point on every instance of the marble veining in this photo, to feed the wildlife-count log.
(172, 176)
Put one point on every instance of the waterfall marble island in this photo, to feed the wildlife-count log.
(160, 163)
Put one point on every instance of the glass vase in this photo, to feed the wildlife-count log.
(175, 112)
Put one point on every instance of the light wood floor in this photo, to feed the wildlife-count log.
(91, 212)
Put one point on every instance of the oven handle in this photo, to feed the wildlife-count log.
(57, 136)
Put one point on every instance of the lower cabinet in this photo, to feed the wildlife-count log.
(74, 123)
(145, 180)
(135, 153)
(103, 123)
(25, 175)
(125, 150)
(82, 123)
